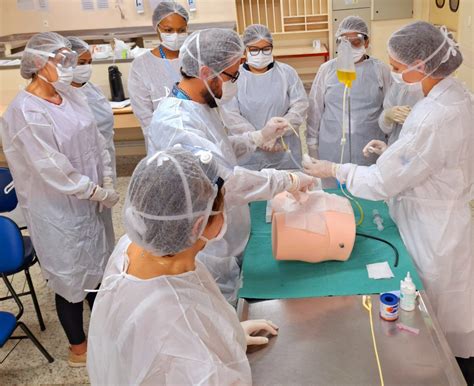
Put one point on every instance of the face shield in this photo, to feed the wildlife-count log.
(63, 58)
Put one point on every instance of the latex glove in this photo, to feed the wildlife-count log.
(274, 128)
(313, 151)
(374, 147)
(106, 197)
(272, 147)
(319, 168)
(301, 182)
(108, 183)
(397, 114)
(252, 327)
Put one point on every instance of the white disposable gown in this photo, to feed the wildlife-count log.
(104, 117)
(366, 104)
(185, 122)
(278, 92)
(427, 174)
(169, 330)
(399, 94)
(151, 79)
(57, 156)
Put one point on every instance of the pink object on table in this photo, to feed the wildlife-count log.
(315, 227)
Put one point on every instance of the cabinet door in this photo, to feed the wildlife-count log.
(338, 5)
(389, 9)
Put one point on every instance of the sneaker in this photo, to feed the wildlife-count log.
(75, 360)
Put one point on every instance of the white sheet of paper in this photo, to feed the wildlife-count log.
(379, 271)
(120, 105)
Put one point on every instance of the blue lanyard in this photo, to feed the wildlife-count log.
(162, 53)
(180, 94)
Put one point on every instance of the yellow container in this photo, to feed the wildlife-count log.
(346, 77)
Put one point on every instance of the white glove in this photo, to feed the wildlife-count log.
(275, 127)
(272, 147)
(319, 168)
(396, 114)
(252, 327)
(374, 147)
(301, 182)
(108, 183)
(106, 197)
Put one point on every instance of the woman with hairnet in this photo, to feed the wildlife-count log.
(154, 73)
(60, 166)
(397, 104)
(98, 103)
(159, 317)
(366, 103)
(267, 88)
(426, 175)
(192, 116)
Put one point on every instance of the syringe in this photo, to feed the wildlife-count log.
(378, 220)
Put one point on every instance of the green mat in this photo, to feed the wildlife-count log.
(266, 278)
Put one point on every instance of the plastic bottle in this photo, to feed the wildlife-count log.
(407, 294)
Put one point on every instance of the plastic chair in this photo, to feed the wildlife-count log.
(12, 259)
(8, 202)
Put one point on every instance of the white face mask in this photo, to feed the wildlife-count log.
(260, 60)
(173, 41)
(398, 78)
(229, 90)
(65, 76)
(221, 233)
(358, 53)
(82, 73)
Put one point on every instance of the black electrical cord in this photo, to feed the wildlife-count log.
(383, 241)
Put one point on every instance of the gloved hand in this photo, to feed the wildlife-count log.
(301, 182)
(374, 147)
(272, 147)
(319, 168)
(254, 326)
(108, 183)
(274, 128)
(106, 197)
(396, 114)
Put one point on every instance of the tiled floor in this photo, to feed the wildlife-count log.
(26, 365)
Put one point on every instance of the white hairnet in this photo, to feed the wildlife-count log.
(166, 8)
(255, 32)
(168, 192)
(48, 42)
(78, 45)
(215, 48)
(433, 46)
(352, 24)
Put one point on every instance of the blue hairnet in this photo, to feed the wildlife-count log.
(255, 32)
(433, 46)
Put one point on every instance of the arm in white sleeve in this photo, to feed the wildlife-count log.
(390, 96)
(316, 105)
(108, 170)
(236, 124)
(37, 143)
(404, 165)
(140, 97)
(244, 186)
(299, 104)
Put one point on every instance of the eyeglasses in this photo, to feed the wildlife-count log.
(254, 51)
(356, 41)
(233, 78)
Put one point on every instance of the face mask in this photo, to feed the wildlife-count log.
(82, 73)
(65, 76)
(221, 233)
(229, 90)
(398, 78)
(358, 53)
(173, 41)
(260, 60)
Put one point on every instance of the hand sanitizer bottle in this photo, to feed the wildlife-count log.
(407, 294)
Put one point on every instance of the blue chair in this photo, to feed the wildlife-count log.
(11, 260)
(8, 202)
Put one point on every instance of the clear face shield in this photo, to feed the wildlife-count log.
(63, 57)
(356, 42)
